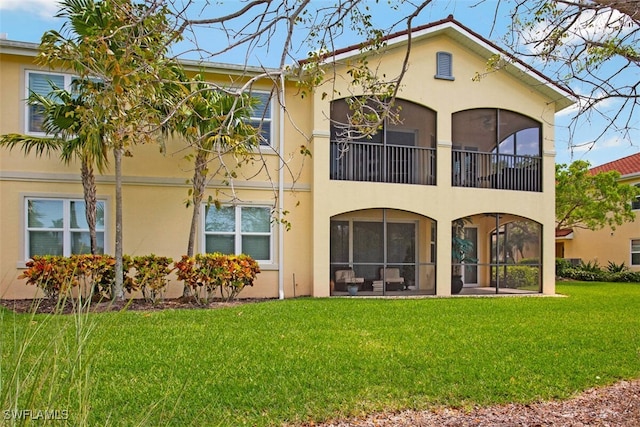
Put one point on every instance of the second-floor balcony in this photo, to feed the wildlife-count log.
(373, 162)
(497, 171)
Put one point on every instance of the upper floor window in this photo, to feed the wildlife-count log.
(59, 227)
(635, 252)
(41, 83)
(261, 117)
(444, 66)
(635, 205)
(239, 230)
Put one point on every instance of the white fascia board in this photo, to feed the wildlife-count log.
(562, 97)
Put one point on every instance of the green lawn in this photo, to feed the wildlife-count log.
(317, 359)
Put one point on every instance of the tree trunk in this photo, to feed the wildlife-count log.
(199, 183)
(117, 293)
(90, 201)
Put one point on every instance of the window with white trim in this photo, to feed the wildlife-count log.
(239, 230)
(635, 205)
(261, 117)
(59, 227)
(635, 252)
(41, 83)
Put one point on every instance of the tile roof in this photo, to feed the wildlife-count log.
(626, 166)
(564, 232)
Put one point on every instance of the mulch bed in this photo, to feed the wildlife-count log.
(48, 306)
(614, 406)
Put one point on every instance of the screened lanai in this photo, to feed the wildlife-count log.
(388, 251)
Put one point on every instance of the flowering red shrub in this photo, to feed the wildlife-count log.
(206, 274)
(151, 275)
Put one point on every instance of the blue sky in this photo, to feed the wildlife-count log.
(27, 20)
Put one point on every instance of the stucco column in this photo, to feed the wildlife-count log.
(443, 256)
(321, 216)
(548, 227)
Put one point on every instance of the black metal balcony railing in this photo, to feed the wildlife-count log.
(372, 162)
(498, 171)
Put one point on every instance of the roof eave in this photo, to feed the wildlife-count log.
(13, 47)
(560, 96)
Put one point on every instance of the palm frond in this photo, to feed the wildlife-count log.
(28, 144)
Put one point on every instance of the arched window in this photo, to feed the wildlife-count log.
(491, 130)
(399, 151)
(496, 149)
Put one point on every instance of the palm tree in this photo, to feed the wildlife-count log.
(124, 44)
(64, 134)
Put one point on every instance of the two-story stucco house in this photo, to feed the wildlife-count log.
(619, 246)
(378, 209)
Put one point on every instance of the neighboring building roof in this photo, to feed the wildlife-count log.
(562, 96)
(627, 166)
(565, 233)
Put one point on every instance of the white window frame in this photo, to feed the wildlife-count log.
(27, 110)
(635, 205)
(66, 226)
(632, 252)
(237, 233)
(265, 121)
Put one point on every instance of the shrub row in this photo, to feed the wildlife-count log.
(207, 275)
(592, 272)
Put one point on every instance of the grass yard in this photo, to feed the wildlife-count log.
(315, 359)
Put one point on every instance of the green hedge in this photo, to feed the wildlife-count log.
(592, 272)
(519, 276)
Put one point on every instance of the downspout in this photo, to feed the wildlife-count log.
(281, 192)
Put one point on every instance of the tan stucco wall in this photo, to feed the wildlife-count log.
(156, 220)
(442, 203)
(155, 217)
(606, 244)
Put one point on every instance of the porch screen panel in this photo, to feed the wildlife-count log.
(339, 237)
(401, 249)
(475, 128)
(368, 248)
(471, 270)
(400, 243)
(415, 120)
(368, 238)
